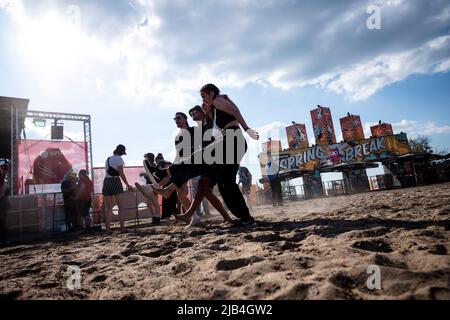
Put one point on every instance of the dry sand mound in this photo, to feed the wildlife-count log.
(316, 249)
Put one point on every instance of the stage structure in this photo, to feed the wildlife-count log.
(13, 112)
(57, 131)
(12, 122)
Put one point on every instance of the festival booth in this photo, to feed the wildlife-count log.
(350, 157)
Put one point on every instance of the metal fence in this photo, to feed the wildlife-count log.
(327, 189)
(43, 214)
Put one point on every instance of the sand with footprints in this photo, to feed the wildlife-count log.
(315, 249)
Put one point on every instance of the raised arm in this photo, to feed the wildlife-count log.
(227, 105)
(230, 107)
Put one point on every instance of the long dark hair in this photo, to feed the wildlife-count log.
(208, 88)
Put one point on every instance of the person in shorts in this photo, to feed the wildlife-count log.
(112, 186)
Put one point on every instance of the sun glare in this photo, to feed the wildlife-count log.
(50, 43)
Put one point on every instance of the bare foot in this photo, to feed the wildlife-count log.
(142, 190)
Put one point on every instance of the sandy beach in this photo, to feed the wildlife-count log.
(315, 249)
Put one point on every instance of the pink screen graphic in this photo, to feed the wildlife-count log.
(43, 162)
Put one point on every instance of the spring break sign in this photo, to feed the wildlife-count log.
(346, 152)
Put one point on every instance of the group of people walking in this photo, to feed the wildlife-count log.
(211, 160)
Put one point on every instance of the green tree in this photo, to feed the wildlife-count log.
(421, 144)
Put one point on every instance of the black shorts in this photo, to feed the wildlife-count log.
(112, 186)
(183, 172)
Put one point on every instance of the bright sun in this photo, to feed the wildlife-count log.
(50, 44)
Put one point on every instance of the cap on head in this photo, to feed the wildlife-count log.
(196, 108)
(149, 155)
(121, 148)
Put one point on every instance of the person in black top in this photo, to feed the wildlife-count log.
(226, 119)
(183, 167)
(204, 188)
(148, 192)
(169, 204)
(183, 172)
(69, 191)
(4, 205)
(245, 178)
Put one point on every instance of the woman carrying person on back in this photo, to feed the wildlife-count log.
(226, 118)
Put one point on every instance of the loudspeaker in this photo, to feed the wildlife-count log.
(57, 133)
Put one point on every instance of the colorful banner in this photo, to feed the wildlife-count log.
(323, 126)
(381, 130)
(319, 157)
(43, 162)
(297, 137)
(352, 129)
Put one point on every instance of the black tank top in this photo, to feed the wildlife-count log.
(223, 118)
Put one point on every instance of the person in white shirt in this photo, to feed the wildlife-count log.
(112, 186)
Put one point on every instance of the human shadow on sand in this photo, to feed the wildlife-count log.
(332, 227)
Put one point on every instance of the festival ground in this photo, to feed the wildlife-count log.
(315, 249)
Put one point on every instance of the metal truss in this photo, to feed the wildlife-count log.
(86, 119)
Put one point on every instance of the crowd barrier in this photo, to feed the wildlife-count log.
(43, 214)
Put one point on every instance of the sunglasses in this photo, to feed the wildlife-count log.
(178, 118)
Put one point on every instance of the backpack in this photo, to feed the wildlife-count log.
(112, 172)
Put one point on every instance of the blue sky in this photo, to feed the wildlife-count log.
(133, 64)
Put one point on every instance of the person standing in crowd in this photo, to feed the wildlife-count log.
(184, 171)
(227, 117)
(226, 132)
(112, 186)
(245, 178)
(148, 190)
(272, 172)
(69, 191)
(169, 204)
(198, 116)
(4, 205)
(186, 132)
(85, 191)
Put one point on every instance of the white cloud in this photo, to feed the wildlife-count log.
(363, 80)
(14, 8)
(413, 128)
(164, 51)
